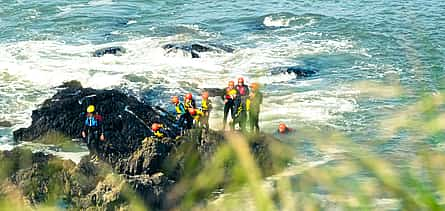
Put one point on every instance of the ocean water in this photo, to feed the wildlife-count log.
(44, 43)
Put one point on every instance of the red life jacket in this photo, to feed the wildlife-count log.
(242, 90)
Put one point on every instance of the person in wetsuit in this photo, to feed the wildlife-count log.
(229, 98)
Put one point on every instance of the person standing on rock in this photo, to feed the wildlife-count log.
(241, 108)
(206, 106)
(189, 102)
(185, 121)
(229, 98)
(256, 99)
(93, 130)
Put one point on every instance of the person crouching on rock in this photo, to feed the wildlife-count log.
(185, 121)
(158, 130)
(196, 115)
(93, 130)
(206, 106)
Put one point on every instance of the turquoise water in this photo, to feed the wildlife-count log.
(43, 43)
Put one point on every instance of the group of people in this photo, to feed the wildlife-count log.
(189, 115)
(241, 101)
(243, 104)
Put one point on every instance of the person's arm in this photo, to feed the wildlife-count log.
(209, 105)
(99, 120)
(223, 94)
(85, 123)
(261, 97)
(182, 108)
(84, 135)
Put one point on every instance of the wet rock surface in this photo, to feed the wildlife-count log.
(115, 50)
(4, 123)
(130, 165)
(299, 71)
(126, 120)
(194, 49)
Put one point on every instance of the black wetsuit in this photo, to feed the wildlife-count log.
(94, 129)
(229, 105)
(240, 106)
(185, 120)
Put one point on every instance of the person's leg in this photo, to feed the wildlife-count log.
(250, 121)
(205, 120)
(233, 111)
(182, 124)
(243, 120)
(189, 121)
(96, 141)
(226, 112)
(255, 120)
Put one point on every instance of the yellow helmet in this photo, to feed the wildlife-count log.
(90, 109)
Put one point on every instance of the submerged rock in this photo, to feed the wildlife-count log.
(195, 48)
(214, 92)
(4, 123)
(297, 70)
(115, 50)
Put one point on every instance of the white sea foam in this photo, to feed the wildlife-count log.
(100, 2)
(31, 69)
(277, 22)
(288, 21)
(131, 22)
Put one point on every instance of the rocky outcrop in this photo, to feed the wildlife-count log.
(214, 92)
(4, 123)
(115, 50)
(45, 179)
(297, 70)
(194, 49)
(126, 120)
(154, 171)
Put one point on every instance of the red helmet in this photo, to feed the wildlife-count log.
(175, 99)
(192, 111)
(282, 127)
(240, 80)
(205, 95)
(188, 96)
(231, 83)
(155, 126)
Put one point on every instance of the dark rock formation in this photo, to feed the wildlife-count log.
(115, 50)
(126, 120)
(297, 70)
(46, 179)
(214, 92)
(5, 124)
(195, 48)
(158, 172)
